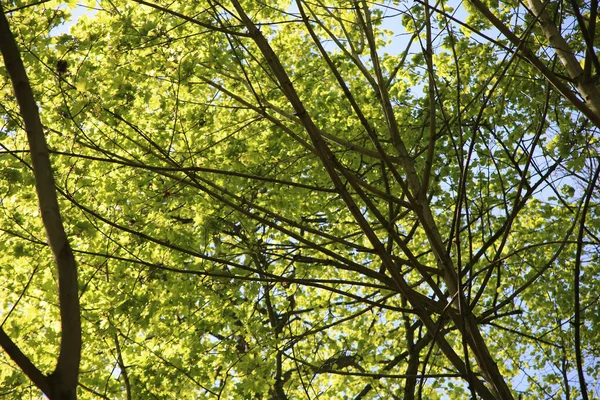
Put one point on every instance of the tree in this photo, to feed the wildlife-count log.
(283, 200)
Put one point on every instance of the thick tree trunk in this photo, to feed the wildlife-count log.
(62, 383)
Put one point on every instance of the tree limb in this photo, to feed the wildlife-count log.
(62, 383)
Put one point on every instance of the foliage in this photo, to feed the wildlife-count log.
(330, 199)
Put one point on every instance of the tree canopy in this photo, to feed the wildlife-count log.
(343, 199)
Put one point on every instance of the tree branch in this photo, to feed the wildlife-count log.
(62, 383)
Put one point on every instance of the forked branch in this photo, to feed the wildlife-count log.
(62, 383)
